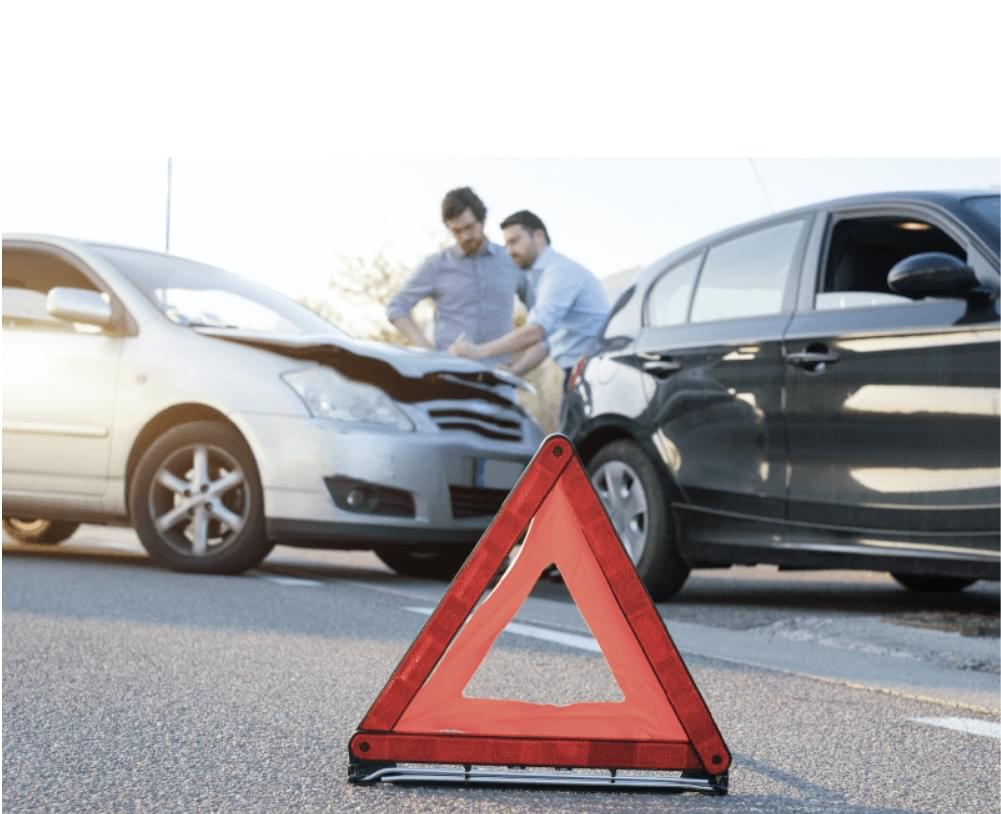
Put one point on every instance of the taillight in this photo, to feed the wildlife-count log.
(575, 374)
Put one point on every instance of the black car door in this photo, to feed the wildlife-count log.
(892, 404)
(714, 374)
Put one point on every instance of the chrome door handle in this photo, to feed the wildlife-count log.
(661, 366)
(812, 361)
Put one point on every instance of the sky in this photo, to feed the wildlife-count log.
(288, 223)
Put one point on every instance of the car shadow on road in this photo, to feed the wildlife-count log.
(80, 582)
(762, 596)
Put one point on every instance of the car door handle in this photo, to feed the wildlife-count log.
(659, 365)
(814, 361)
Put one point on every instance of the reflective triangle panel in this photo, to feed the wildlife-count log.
(662, 721)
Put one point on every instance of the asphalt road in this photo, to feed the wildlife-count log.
(129, 688)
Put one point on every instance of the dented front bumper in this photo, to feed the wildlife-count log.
(333, 485)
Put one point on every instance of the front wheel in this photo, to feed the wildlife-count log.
(36, 530)
(197, 503)
(928, 585)
(442, 564)
(634, 496)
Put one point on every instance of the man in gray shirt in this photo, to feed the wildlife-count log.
(473, 283)
(567, 305)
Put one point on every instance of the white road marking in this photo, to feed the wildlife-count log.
(972, 726)
(294, 582)
(568, 639)
(130, 549)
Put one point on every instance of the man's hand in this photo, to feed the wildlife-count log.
(460, 347)
(516, 340)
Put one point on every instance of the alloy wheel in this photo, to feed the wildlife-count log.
(621, 490)
(199, 500)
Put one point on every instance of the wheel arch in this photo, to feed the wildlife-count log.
(598, 434)
(167, 419)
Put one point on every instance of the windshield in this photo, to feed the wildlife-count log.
(194, 294)
(988, 209)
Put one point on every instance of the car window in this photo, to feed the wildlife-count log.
(747, 276)
(670, 295)
(28, 277)
(988, 209)
(624, 319)
(861, 253)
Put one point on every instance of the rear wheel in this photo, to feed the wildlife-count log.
(37, 530)
(634, 496)
(927, 585)
(197, 503)
(441, 564)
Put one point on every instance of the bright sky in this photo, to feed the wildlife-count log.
(285, 223)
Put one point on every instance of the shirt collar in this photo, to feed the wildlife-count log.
(544, 259)
(488, 247)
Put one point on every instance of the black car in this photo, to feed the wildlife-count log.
(816, 389)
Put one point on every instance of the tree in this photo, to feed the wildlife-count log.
(357, 294)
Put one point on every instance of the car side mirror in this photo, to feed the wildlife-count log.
(79, 305)
(934, 274)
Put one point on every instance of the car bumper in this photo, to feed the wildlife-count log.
(417, 486)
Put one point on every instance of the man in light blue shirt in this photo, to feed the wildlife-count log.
(567, 305)
(472, 283)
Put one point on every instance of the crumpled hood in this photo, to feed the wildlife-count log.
(404, 373)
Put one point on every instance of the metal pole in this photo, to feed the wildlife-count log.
(169, 168)
(761, 184)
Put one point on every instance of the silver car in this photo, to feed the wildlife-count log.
(219, 418)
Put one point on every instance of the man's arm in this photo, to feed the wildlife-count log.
(513, 341)
(406, 326)
(528, 359)
(419, 285)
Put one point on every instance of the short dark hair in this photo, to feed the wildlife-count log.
(457, 201)
(528, 220)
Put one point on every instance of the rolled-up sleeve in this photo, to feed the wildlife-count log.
(554, 298)
(419, 285)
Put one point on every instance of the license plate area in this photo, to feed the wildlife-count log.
(493, 474)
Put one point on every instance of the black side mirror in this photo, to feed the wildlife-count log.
(935, 274)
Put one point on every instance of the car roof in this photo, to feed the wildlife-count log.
(948, 200)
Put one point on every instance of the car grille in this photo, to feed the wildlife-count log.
(489, 426)
(475, 501)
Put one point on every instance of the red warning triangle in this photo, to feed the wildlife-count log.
(662, 723)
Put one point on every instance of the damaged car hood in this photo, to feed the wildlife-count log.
(404, 374)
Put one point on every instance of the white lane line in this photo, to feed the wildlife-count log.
(972, 726)
(568, 639)
(131, 549)
(294, 582)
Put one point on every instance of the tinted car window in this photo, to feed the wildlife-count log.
(670, 295)
(988, 209)
(747, 276)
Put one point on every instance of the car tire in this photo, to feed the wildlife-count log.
(442, 564)
(616, 472)
(46, 532)
(196, 500)
(927, 585)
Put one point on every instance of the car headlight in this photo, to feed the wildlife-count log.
(328, 394)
